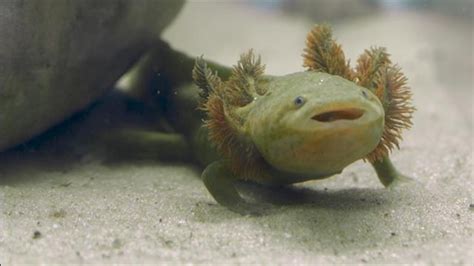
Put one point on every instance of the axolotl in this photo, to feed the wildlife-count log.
(278, 130)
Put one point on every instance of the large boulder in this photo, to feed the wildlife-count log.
(56, 57)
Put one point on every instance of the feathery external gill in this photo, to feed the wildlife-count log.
(323, 54)
(221, 99)
(395, 95)
(368, 64)
(206, 81)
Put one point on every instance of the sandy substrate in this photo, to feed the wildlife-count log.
(62, 202)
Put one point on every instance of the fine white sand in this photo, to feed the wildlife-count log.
(62, 202)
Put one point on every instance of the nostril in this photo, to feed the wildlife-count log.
(344, 114)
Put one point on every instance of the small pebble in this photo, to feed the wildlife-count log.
(116, 243)
(36, 235)
(58, 214)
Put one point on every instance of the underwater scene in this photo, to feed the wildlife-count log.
(283, 132)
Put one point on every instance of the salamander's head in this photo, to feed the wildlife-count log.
(312, 123)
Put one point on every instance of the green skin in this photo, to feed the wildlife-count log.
(307, 126)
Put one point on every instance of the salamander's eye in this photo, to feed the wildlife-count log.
(299, 101)
(365, 95)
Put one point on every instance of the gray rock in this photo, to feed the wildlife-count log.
(56, 57)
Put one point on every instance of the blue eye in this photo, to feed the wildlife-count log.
(365, 94)
(299, 101)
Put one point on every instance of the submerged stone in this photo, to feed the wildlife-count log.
(56, 57)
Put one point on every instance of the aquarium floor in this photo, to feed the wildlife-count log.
(63, 202)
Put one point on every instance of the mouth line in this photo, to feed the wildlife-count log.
(340, 114)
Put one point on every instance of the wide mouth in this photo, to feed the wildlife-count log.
(342, 114)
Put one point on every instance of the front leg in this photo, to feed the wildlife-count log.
(220, 182)
(387, 173)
